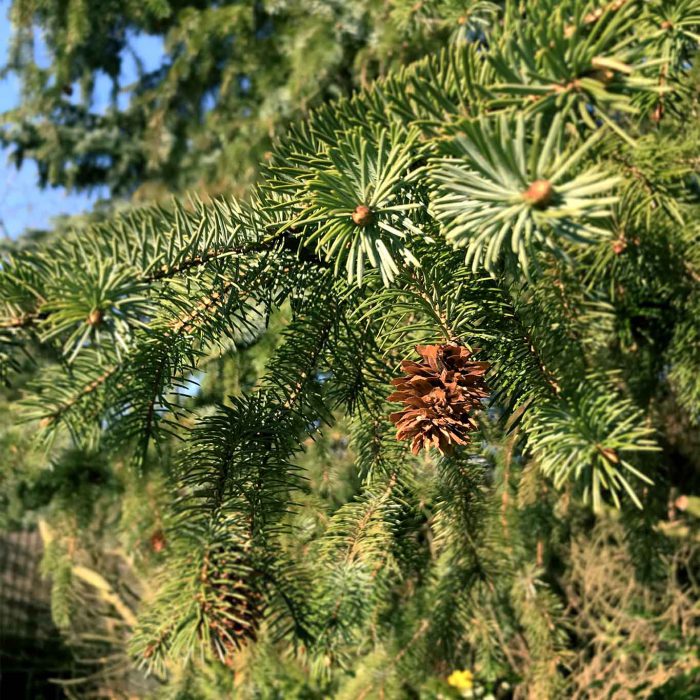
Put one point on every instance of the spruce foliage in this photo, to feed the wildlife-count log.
(530, 192)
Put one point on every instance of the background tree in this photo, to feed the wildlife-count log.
(494, 250)
(233, 74)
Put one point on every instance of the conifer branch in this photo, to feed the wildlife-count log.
(514, 193)
(85, 391)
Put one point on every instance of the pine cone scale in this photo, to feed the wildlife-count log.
(439, 396)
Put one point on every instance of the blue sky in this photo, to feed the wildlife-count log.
(22, 203)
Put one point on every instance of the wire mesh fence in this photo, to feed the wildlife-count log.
(32, 654)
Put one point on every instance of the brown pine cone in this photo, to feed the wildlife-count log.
(440, 395)
(233, 604)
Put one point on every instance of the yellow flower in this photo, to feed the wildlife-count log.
(462, 680)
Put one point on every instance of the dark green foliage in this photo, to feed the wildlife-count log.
(302, 545)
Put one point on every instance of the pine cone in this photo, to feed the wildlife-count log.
(234, 606)
(440, 395)
(236, 619)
